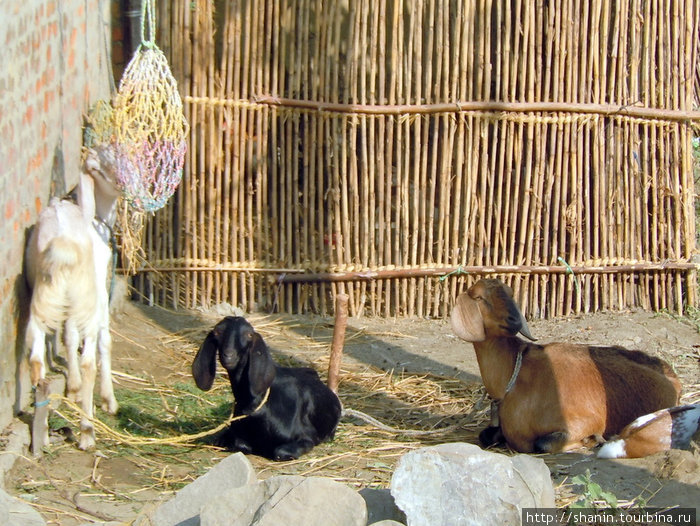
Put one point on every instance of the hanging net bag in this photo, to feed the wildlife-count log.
(145, 131)
(148, 128)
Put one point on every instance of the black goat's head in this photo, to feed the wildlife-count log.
(487, 310)
(242, 352)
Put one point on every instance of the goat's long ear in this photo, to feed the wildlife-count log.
(204, 365)
(467, 322)
(261, 366)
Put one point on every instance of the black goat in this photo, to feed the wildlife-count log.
(288, 410)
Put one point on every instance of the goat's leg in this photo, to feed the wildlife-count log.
(88, 369)
(71, 339)
(492, 436)
(56, 362)
(104, 346)
(35, 339)
(292, 450)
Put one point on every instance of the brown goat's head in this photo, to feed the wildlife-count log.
(487, 310)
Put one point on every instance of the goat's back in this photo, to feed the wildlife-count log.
(617, 383)
(60, 268)
(313, 402)
(636, 384)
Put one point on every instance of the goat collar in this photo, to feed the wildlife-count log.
(516, 371)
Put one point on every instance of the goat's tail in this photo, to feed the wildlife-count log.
(65, 286)
(659, 431)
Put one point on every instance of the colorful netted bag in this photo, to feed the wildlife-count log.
(148, 127)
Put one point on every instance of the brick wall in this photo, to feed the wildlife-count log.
(54, 63)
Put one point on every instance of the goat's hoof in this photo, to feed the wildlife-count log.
(87, 441)
(110, 406)
(229, 441)
(292, 451)
(551, 443)
(73, 385)
(491, 436)
(73, 395)
(284, 457)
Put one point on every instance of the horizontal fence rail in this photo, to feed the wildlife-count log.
(398, 151)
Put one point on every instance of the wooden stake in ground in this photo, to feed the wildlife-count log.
(341, 322)
(40, 422)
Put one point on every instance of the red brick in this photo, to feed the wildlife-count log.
(35, 161)
(28, 115)
(50, 74)
(9, 209)
(48, 100)
(10, 36)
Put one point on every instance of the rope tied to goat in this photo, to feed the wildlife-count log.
(132, 440)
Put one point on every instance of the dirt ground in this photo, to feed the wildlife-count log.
(396, 360)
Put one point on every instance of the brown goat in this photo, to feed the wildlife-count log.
(564, 395)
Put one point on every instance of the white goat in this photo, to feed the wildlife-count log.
(67, 261)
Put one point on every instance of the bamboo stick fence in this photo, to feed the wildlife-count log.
(398, 150)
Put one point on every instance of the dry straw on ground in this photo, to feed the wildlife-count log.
(360, 454)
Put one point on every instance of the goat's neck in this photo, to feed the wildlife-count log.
(496, 357)
(245, 400)
(98, 200)
(106, 208)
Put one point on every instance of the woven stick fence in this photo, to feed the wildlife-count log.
(397, 151)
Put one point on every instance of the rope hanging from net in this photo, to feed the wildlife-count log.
(147, 127)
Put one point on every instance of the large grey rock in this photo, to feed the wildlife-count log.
(183, 509)
(462, 485)
(17, 513)
(287, 499)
